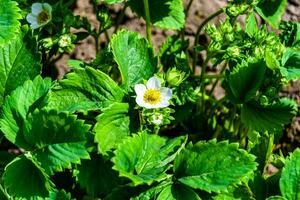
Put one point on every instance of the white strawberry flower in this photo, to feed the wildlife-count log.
(152, 95)
(157, 119)
(40, 15)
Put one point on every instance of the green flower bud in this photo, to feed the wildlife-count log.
(47, 43)
(175, 77)
(271, 92)
(213, 32)
(259, 51)
(264, 100)
(104, 18)
(214, 46)
(235, 10)
(233, 52)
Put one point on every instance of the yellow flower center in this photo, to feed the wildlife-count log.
(43, 17)
(152, 96)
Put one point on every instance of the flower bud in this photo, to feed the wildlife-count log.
(233, 52)
(175, 77)
(264, 100)
(47, 43)
(271, 91)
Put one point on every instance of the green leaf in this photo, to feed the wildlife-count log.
(263, 150)
(291, 64)
(9, 21)
(144, 158)
(271, 11)
(19, 61)
(85, 89)
(271, 60)
(289, 181)
(290, 74)
(238, 193)
(59, 195)
(251, 24)
(58, 139)
(16, 107)
(153, 192)
(112, 127)
(245, 80)
(168, 14)
(291, 59)
(276, 198)
(178, 192)
(172, 53)
(24, 178)
(212, 166)
(134, 57)
(296, 42)
(97, 176)
(268, 118)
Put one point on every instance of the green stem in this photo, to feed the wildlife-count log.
(202, 77)
(188, 8)
(96, 36)
(195, 53)
(218, 78)
(232, 117)
(148, 23)
(107, 36)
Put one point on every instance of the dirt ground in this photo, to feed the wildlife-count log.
(200, 9)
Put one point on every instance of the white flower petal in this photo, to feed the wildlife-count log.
(166, 93)
(47, 7)
(31, 18)
(140, 89)
(140, 101)
(36, 8)
(34, 25)
(153, 83)
(162, 104)
(149, 106)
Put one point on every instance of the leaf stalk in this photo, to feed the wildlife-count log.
(148, 22)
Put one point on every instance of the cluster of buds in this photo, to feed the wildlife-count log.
(63, 43)
(234, 10)
(104, 18)
(158, 117)
(220, 37)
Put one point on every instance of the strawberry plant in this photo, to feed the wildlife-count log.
(140, 122)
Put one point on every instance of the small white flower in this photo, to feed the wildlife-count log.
(157, 119)
(40, 15)
(64, 41)
(152, 95)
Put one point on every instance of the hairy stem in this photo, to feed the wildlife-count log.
(200, 28)
(148, 23)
